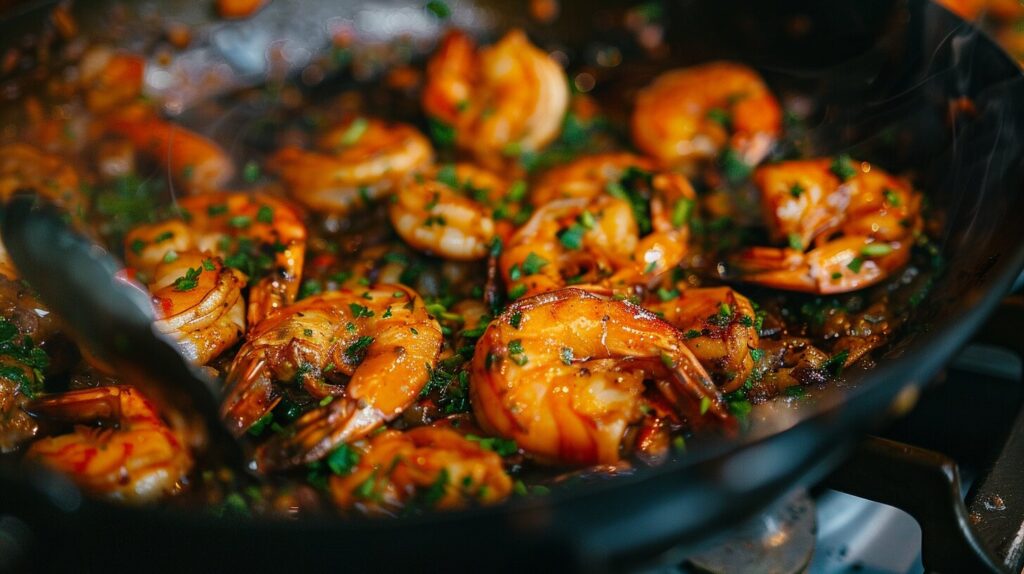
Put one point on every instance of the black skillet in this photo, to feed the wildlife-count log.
(885, 73)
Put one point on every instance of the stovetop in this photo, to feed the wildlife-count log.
(960, 442)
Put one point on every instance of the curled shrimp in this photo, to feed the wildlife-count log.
(719, 327)
(194, 161)
(450, 214)
(690, 115)
(200, 304)
(617, 240)
(132, 455)
(369, 350)
(563, 375)
(361, 161)
(259, 234)
(426, 466)
(848, 225)
(586, 177)
(502, 100)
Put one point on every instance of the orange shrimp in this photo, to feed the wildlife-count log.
(501, 101)
(381, 341)
(360, 161)
(260, 234)
(136, 459)
(200, 304)
(563, 375)
(194, 161)
(614, 240)
(435, 467)
(848, 225)
(691, 114)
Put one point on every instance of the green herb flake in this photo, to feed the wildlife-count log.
(533, 264)
(876, 250)
(189, 280)
(439, 9)
(705, 404)
(796, 190)
(572, 237)
(795, 242)
(681, 212)
(251, 171)
(359, 311)
(265, 214)
(566, 354)
(855, 264)
(355, 352)
(843, 167)
(240, 221)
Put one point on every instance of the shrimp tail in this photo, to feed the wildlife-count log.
(690, 378)
(250, 392)
(317, 433)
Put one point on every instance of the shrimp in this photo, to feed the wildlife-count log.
(137, 458)
(563, 375)
(426, 466)
(860, 221)
(23, 166)
(261, 235)
(110, 79)
(194, 161)
(381, 341)
(500, 101)
(586, 177)
(720, 328)
(690, 115)
(200, 304)
(450, 215)
(359, 162)
(626, 238)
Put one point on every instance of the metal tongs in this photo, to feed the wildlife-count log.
(108, 315)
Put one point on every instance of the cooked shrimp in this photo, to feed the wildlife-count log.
(194, 161)
(110, 79)
(261, 235)
(587, 177)
(361, 161)
(135, 459)
(612, 241)
(563, 375)
(200, 304)
(690, 115)
(25, 167)
(719, 326)
(860, 221)
(426, 466)
(381, 341)
(503, 100)
(449, 215)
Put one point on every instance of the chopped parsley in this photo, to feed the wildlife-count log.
(21, 361)
(265, 214)
(504, 447)
(359, 311)
(355, 352)
(566, 354)
(796, 190)
(533, 264)
(843, 167)
(572, 237)
(439, 9)
(189, 280)
(251, 172)
(876, 250)
(354, 132)
(836, 362)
